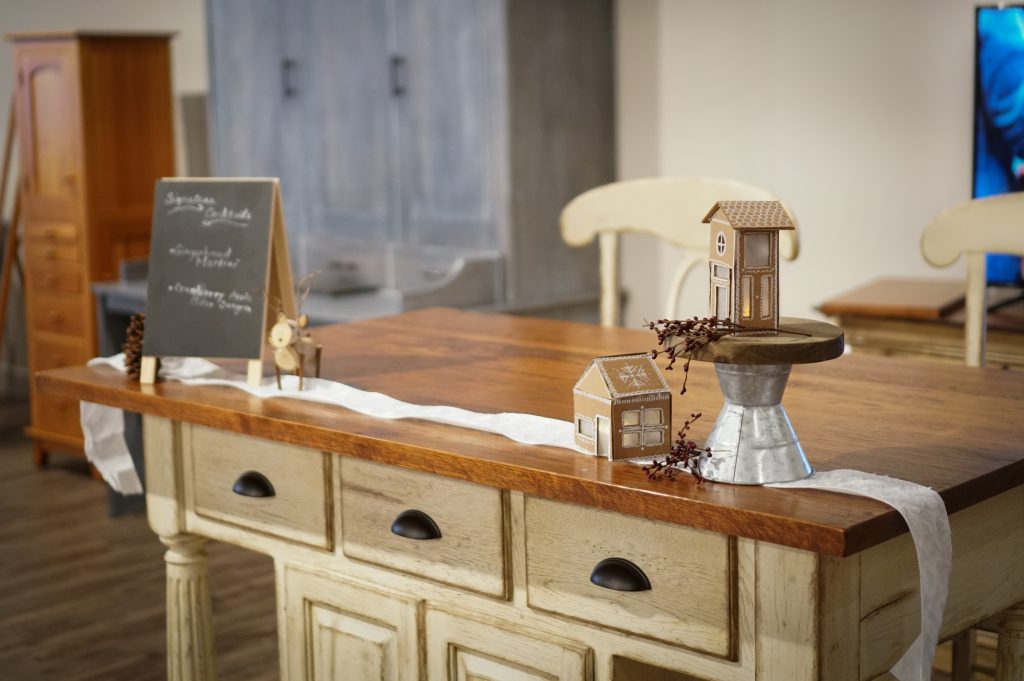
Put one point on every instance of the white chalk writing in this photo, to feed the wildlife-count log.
(200, 296)
(196, 202)
(206, 258)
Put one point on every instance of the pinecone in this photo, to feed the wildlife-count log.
(132, 347)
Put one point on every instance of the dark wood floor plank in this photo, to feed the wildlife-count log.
(82, 594)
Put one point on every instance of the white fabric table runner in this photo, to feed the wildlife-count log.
(922, 508)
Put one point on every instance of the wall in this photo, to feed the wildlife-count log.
(188, 50)
(857, 114)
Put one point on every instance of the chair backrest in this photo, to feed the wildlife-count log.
(990, 225)
(667, 207)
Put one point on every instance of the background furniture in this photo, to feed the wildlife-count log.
(904, 317)
(95, 131)
(746, 582)
(974, 228)
(670, 208)
(464, 124)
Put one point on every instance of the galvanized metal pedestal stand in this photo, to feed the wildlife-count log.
(753, 441)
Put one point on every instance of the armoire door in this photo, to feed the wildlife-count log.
(452, 120)
(250, 79)
(49, 130)
(349, 79)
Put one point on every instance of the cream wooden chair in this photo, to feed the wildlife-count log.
(670, 208)
(977, 227)
(974, 228)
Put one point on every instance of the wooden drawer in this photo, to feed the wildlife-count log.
(56, 313)
(691, 597)
(54, 275)
(381, 503)
(39, 231)
(57, 414)
(40, 243)
(56, 354)
(290, 502)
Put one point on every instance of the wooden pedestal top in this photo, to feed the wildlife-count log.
(955, 429)
(798, 341)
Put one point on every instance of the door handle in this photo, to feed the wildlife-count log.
(253, 484)
(619, 574)
(414, 524)
(288, 66)
(398, 84)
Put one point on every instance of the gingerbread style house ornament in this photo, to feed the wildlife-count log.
(623, 408)
(744, 262)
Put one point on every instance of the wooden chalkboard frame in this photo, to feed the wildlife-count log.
(278, 283)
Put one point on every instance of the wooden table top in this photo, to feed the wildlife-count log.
(955, 429)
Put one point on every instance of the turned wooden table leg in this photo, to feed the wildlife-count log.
(190, 655)
(1010, 651)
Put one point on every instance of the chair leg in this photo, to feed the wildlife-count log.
(1010, 650)
(963, 656)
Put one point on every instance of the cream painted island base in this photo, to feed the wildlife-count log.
(746, 583)
(505, 592)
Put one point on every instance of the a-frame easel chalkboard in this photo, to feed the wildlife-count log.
(218, 258)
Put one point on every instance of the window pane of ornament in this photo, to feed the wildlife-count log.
(766, 296)
(585, 427)
(631, 439)
(654, 437)
(652, 417)
(630, 418)
(745, 296)
(720, 272)
(722, 302)
(756, 249)
(720, 243)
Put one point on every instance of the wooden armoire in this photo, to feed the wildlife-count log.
(95, 130)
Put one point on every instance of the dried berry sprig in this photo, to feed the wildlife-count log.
(692, 334)
(684, 455)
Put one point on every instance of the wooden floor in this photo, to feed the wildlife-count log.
(82, 594)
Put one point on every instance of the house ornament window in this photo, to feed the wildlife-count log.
(720, 243)
(644, 427)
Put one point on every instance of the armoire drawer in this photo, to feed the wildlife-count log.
(48, 249)
(653, 579)
(54, 275)
(270, 487)
(58, 313)
(40, 232)
(447, 530)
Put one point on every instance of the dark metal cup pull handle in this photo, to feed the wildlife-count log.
(413, 524)
(619, 574)
(253, 484)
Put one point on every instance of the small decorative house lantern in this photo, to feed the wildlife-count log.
(623, 408)
(744, 261)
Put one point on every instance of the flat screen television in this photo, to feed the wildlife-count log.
(999, 116)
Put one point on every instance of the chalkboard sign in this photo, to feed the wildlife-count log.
(218, 254)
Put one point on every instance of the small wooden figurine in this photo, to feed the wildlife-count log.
(623, 408)
(293, 347)
(744, 262)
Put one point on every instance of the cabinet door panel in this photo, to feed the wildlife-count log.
(336, 631)
(348, 118)
(49, 127)
(451, 117)
(463, 649)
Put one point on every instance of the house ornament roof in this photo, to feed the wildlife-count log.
(629, 375)
(753, 214)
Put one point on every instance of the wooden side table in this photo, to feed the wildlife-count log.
(925, 318)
